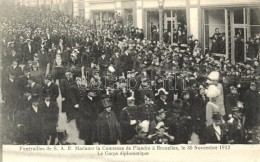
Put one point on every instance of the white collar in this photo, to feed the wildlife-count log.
(47, 103)
(91, 98)
(217, 131)
(48, 84)
(35, 108)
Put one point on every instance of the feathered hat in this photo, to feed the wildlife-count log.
(214, 75)
(161, 91)
(212, 91)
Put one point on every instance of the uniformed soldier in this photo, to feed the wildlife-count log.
(161, 136)
(141, 134)
(236, 131)
(146, 110)
(128, 120)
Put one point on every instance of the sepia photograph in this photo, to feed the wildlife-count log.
(130, 80)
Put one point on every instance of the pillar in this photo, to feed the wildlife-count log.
(118, 7)
(87, 9)
(139, 13)
(75, 8)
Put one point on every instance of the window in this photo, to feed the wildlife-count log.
(215, 31)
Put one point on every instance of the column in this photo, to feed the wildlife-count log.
(139, 13)
(118, 7)
(193, 18)
(161, 23)
(75, 8)
(87, 9)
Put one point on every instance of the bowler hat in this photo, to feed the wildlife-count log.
(62, 135)
(216, 116)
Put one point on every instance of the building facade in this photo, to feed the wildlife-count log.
(199, 17)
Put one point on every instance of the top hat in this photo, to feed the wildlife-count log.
(106, 102)
(216, 116)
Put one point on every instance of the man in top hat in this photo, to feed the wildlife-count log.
(108, 128)
(33, 120)
(216, 132)
(51, 112)
(251, 104)
(128, 120)
(50, 88)
(161, 136)
(88, 117)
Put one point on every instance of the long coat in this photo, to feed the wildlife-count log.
(52, 90)
(51, 114)
(108, 128)
(67, 93)
(230, 102)
(34, 126)
(252, 108)
(11, 94)
(128, 114)
(88, 119)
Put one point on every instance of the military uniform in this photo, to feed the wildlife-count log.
(139, 140)
(146, 112)
(128, 130)
(160, 140)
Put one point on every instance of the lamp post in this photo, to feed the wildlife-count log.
(160, 3)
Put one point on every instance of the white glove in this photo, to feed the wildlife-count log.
(132, 122)
(76, 106)
(63, 99)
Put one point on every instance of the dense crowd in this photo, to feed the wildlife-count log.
(118, 86)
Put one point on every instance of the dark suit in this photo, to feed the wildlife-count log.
(128, 63)
(211, 138)
(52, 90)
(231, 102)
(28, 52)
(34, 126)
(51, 113)
(37, 89)
(103, 65)
(66, 92)
(108, 128)
(128, 114)
(87, 120)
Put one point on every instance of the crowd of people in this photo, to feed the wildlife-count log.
(118, 86)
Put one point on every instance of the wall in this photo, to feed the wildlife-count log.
(228, 2)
